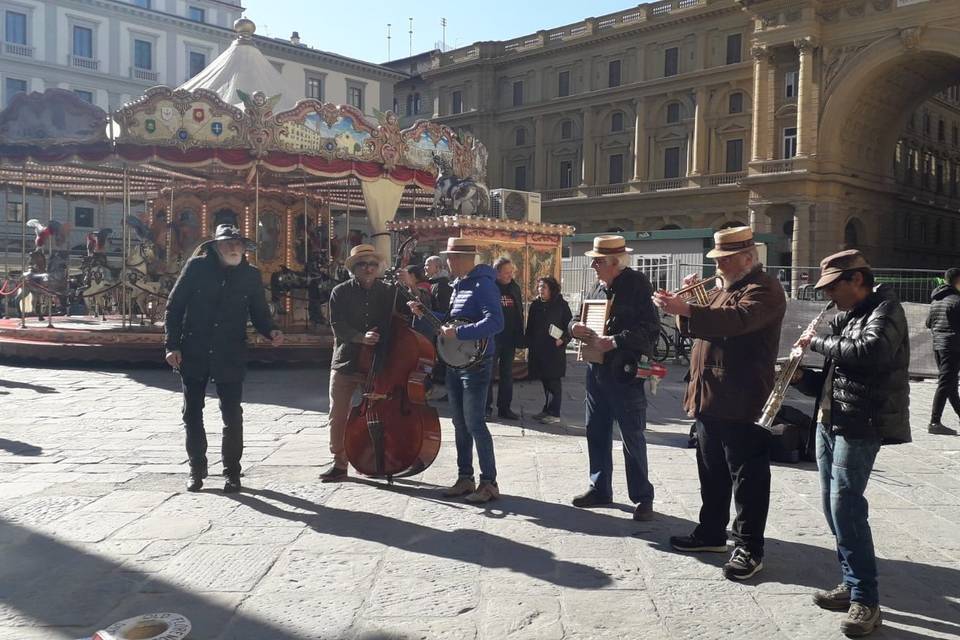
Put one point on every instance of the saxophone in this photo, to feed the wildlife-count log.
(782, 383)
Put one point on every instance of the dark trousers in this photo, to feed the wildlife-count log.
(609, 400)
(503, 361)
(552, 390)
(230, 394)
(948, 362)
(733, 459)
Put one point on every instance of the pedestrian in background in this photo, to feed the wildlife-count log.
(438, 275)
(508, 340)
(547, 336)
(943, 320)
(413, 278)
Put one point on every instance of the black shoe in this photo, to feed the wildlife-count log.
(591, 499)
(232, 484)
(742, 565)
(333, 474)
(836, 600)
(506, 414)
(939, 429)
(195, 482)
(643, 512)
(692, 543)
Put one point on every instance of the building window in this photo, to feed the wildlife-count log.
(15, 212)
(86, 96)
(671, 162)
(197, 62)
(196, 14)
(941, 131)
(563, 84)
(789, 142)
(355, 97)
(143, 4)
(315, 88)
(616, 122)
(912, 123)
(457, 100)
(143, 54)
(736, 102)
(671, 61)
(938, 176)
(566, 174)
(790, 84)
(12, 87)
(956, 136)
(926, 123)
(613, 73)
(83, 216)
(15, 29)
(520, 136)
(953, 180)
(850, 239)
(416, 103)
(82, 42)
(518, 93)
(734, 48)
(566, 130)
(734, 155)
(409, 104)
(520, 178)
(673, 112)
(616, 168)
(925, 173)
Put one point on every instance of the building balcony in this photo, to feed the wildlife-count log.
(144, 74)
(712, 180)
(81, 62)
(16, 49)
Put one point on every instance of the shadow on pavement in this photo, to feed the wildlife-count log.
(39, 388)
(19, 448)
(463, 545)
(44, 582)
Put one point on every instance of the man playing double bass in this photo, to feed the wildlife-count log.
(359, 308)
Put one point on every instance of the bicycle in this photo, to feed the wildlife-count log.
(671, 342)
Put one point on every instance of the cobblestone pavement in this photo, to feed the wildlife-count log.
(95, 527)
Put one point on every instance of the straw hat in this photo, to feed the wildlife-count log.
(608, 246)
(151, 626)
(362, 251)
(461, 246)
(834, 266)
(727, 242)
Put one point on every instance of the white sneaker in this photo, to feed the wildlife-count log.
(548, 419)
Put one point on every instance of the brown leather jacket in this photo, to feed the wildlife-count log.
(737, 338)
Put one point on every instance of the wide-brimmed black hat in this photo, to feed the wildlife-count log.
(228, 232)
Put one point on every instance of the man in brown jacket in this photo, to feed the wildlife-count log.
(737, 335)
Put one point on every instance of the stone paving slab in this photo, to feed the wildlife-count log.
(95, 527)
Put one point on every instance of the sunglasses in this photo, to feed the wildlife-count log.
(366, 265)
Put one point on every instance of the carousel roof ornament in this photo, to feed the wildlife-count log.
(241, 68)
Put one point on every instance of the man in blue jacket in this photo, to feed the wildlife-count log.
(475, 298)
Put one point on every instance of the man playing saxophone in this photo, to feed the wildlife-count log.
(737, 335)
(863, 396)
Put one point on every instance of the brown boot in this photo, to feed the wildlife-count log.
(861, 620)
(462, 487)
(486, 492)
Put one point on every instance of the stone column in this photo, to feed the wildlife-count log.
(807, 101)
(763, 87)
(589, 152)
(800, 247)
(540, 154)
(640, 153)
(700, 134)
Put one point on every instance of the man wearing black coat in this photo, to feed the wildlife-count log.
(508, 340)
(206, 334)
(943, 321)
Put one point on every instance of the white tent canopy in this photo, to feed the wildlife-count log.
(242, 66)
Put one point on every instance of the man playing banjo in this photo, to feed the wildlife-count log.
(476, 304)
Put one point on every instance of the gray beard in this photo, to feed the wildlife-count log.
(732, 279)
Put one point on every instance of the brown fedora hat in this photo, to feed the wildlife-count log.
(604, 246)
(464, 246)
(727, 242)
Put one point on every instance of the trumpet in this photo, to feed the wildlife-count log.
(696, 292)
(782, 382)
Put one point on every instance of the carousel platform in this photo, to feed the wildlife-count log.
(92, 340)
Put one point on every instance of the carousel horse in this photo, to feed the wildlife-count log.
(43, 280)
(455, 196)
(54, 231)
(149, 286)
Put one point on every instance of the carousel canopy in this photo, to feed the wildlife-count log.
(242, 67)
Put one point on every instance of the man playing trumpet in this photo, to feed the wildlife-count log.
(737, 335)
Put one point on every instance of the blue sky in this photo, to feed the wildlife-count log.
(363, 35)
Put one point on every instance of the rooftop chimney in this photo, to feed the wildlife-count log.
(295, 38)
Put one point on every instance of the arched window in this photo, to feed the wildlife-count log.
(736, 102)
(673, 112)
(416, 103)
(851, 239)
(669, 227)
(731, 224)
(566, 130)
(520, 136)
(616, 122)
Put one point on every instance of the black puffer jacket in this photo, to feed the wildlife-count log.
(870, 351)
(943, 320)
(207, 315)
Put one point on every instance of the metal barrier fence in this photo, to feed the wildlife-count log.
(913, 286)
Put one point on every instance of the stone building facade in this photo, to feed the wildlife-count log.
(790, 115)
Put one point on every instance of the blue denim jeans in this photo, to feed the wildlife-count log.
(609, 400)
(467, 395)
(845, 465)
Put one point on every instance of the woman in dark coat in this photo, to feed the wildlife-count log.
(547, 340)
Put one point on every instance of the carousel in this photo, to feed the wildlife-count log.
(227, 147)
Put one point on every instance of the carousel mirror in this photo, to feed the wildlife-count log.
(268, 237)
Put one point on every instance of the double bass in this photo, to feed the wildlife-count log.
(393, 432)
